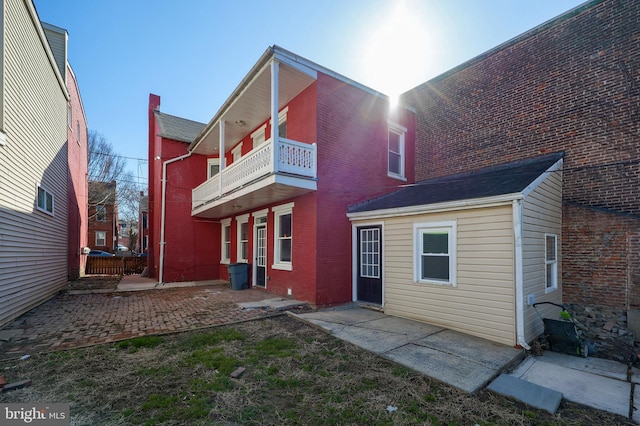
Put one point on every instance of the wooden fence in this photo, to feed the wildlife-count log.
(115, 265)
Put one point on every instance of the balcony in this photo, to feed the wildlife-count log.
(259, 178)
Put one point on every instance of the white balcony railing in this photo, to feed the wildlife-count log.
(293, 157)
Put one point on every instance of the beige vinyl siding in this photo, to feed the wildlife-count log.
(482, 303)
(33, 244)
(57, 38)
(541, 213)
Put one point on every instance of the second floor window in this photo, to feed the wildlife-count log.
(101, 213)
(282, 123)
(213, 165)
(396, 151)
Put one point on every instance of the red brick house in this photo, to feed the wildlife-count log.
(103, 216)
(570, 85)
(233, 190)
(78, 184)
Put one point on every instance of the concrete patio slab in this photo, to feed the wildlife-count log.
(273, 304)
(463, 361)
(443, 366)
(473, 349)
(531, 394)
(594, 390)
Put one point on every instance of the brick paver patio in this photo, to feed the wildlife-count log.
(76, 320)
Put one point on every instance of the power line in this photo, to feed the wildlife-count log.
(110, 154)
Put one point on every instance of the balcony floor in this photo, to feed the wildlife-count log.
(266, 191)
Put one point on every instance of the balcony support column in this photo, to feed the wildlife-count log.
(221, 153)
(274, 115)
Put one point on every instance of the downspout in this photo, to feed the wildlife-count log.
(163, 211)
(519, 277)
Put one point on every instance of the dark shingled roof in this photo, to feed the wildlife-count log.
(489, 182)
(176, 128)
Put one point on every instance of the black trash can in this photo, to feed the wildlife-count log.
(238, 275)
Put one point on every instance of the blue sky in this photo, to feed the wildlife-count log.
(193, 53)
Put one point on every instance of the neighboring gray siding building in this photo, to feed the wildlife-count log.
(33, 163)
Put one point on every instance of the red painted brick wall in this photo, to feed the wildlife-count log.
(192, 248)
(572, 86)
(352, 167)
(77, 180)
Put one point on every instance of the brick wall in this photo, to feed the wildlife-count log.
(352, 167)
(572, 85)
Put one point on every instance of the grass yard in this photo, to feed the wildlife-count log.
(295, 375)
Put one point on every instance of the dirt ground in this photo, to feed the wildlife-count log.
(293, 374)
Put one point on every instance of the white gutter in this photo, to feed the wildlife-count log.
(519, 277)
(163, 211)
(494, 201)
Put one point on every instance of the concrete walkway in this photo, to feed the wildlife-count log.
(466, 362)
(603, 384)
(470, 363)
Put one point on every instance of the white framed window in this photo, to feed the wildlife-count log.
(551, 262)
(283, 237)
(45, 201)
(101, 238)
(101, 213)
(226, 241)
(213, 167)
(435, 253)
(282, 122)
(145, 243)
(243, 238)
(396, 151)
(258, 137)
(237, 152)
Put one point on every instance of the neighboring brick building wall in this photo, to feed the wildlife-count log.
(570, 85)
(77, 181)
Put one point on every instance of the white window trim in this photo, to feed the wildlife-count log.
(223, 223)
(451, 228)
(260, 132)
(239, 221)
(212, 162)
(103, 239)
(554, 263)
(53, 200)
(278, 211)
(236, 153)
(401, 131)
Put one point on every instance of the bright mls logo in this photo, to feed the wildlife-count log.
(34, 414)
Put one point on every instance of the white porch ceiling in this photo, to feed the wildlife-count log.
(252, 106)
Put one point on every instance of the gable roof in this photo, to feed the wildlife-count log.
(504, 179)
(176, 128)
